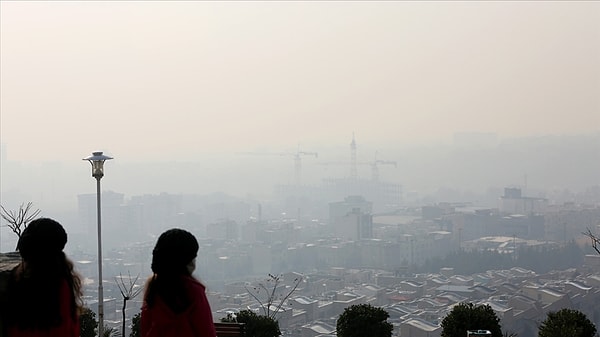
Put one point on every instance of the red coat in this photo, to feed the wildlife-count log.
(195, 321)
(68, 328)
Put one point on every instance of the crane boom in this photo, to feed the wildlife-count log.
(296, 155)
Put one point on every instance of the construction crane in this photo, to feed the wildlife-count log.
(354, 164)
(374, 164)
(375, 168)
(297, 160)
(298, 165)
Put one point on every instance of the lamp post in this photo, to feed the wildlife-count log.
(97, 160)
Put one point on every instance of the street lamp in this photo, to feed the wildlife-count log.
(97, 160)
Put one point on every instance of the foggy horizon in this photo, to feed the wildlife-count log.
(197, 84)
(157, 79)
(469, 168)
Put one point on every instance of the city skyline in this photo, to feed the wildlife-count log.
(475, 165)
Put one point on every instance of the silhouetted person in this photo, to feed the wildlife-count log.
(175, 303)
(43, 291)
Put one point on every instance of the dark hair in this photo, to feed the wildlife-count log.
(173, 251)
(34, 286)
(42, 237)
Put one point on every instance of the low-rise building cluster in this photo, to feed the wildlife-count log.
(417, 304)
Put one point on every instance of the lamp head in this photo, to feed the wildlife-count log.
(97, 160)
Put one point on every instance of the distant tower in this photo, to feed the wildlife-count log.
(353, 174)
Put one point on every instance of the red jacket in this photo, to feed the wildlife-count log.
(68, 328)
(196, 321)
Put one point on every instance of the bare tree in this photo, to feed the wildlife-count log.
(128, 292)
(272, 300)
(18, 220)
(110, 331)
(595, 240)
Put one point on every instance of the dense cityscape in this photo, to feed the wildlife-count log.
(525, 256)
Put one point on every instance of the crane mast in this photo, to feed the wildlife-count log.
(375, 168)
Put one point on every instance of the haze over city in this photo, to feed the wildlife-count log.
(179, 80)
(204, 82)
(187, 81)
(409, 154)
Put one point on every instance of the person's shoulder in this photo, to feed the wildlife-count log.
(147, 284)
(194, 283)
(149, 280)
(17, 272)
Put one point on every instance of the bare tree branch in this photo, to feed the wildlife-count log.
(128, 292)
(274, 279)
(270, 295)
(18, 220)
(595, 240)
(257, 289)
(297, 281)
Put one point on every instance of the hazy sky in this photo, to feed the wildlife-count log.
(174, 79)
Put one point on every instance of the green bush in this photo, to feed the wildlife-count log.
(362, 320)
(466, 316)
(255, 325)
(567, 322)
(135, 325)
(87, 323)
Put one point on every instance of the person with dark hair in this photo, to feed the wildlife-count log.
(175, 303)
(43, 291)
